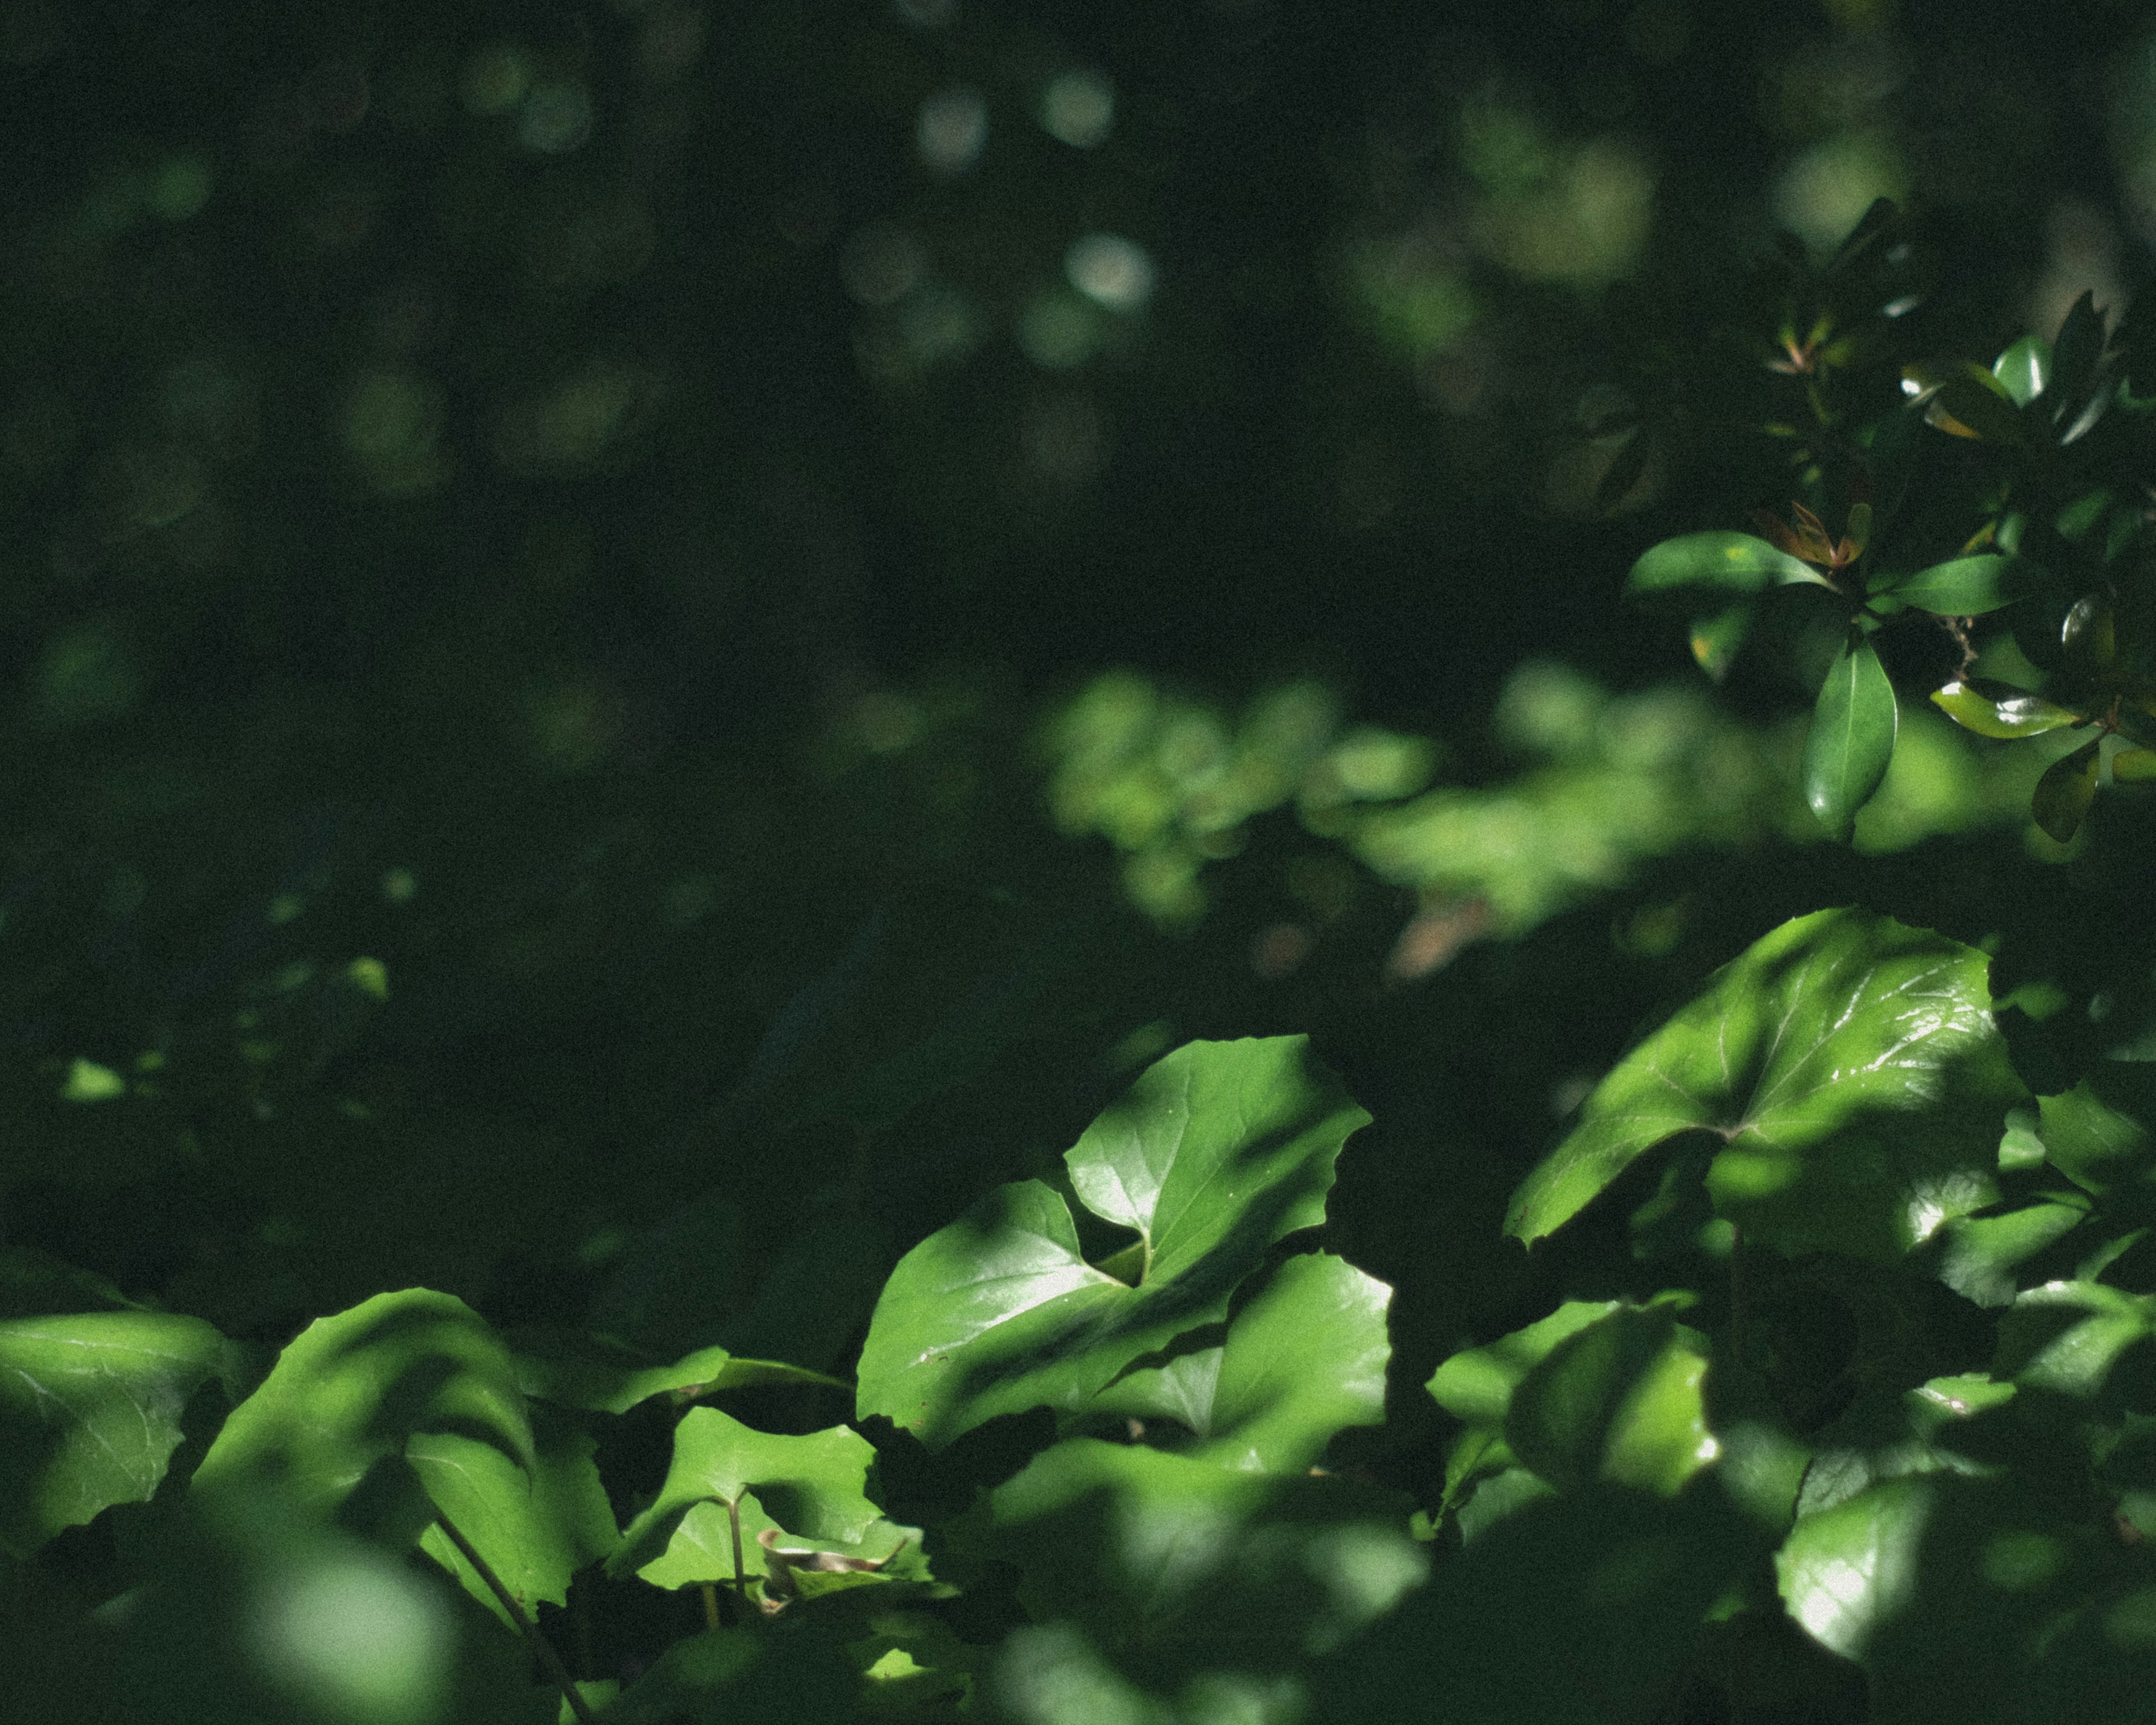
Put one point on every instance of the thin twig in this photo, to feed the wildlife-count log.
(540, 1647)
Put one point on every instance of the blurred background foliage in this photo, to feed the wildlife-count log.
(658, 638)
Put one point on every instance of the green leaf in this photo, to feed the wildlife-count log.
(1720, 562)
(575, 1370)
(1717, 637)
(2097, 1133)
(1476, 1384)
(2069, 1337)
(351, 1390)
(1304, 1359)
(90, 1414)
(1967, 587)
(1619, 1401)
(1219, 1150)
(1852, 1068)
(809, 1487)
(2001, 710)
(1896, 1434)
(1848, 1569)
(535, 1530)
(2025, 369)
(1852, 735)
(1967, 401)
(2133, 766)
(1978, 1255)
(2063, 794)
(2080, 355)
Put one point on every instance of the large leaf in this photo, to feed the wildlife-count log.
(1218, 1151)
(1618, 1401)
(534, 1530)
(1476, 1384)
(1306, 1358)
(1852, 1068)
(602, 1376)
(807, 1487)
(90, 1414)
(1851, 741)
(1966, 586)
(1718, 561)
(351, 1390)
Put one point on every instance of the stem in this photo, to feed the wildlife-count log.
(733, 1520)
(545, 1654)
(711, 1604)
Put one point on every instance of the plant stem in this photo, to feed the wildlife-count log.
(711, 1605)
(541, 1648)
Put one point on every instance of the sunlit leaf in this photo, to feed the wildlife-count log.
(2025, 369)
(575, 1370)
(349, 1390)
(1219, 1150)
(1851, 740)
(2064, 793)
(1966, 586)
(1978, 1255)
(1618, 1401)
(2069, 1337)
(90, 1414)
(1717, 638)
(1729, 563)
(2001, 710)
(1850, 1066)
(1476, 1384)
(2098, 1133)
(2133, 766)
(1848, 1569)
(1303, 1359)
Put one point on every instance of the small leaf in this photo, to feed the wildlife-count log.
(90, 1414)
(2063, 794)
(349, 1390)
(2097, 1134)
(1967, 401)
(1619, 1401)
(1623, 471)
(1476, 1384)
(1848, 1570)
(1858, 532)
(1850, 1066)
(574, 1370)
(2001, 710)
(2025, 369)
(1717, 637)
(2133, 766)
(1852, 735)
(2080, 350)
(1966, 586)
(2090, 633)
(1728, 562)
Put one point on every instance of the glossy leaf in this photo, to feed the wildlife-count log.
(1219, 1150)
(573, 1370)
(1967, 401)
(1619, 1401)
(349, 1390)
(534, 1530)
(2064, 793)
(2080, 354)
(2001, 710)
(1897, 1435)
(1852, 1068)
(2069, 1337)
(1966, 586)
(1476, 1384)
(1718, 561)
(810, 1488)
(90, 1414)
(1852, 740)
(2025, 369)
(1978, 1255)
(1846, 1571)
(1304, 1358)
(2098, 1134)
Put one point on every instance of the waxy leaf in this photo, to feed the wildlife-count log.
(2063, 794)
(2070, 1336)
(1850, 1067)
(1848, 1569)
(1619, 1401)
(1218, 1151)
(806, 1488)
(2001, 710)
(1967, 401)
(350, 1390)
(2025, 369)
(90, 1414)
(604, 1377)
(1723, 561)
(1852, 735)
(534, 1530)
(1966, 586)
(1304, 1359)
(1476, 1384)
(2097, 1133)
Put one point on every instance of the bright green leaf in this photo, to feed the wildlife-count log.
(1999, 710)
(1618, 1401)
(1219, 1150)
(810, 1488)
(2063, 794)
(1852, 1068)
(1966, 586)
(2069, 1335)
(90, 1414)
(350, 1390)
(1851, 740)
(1722, 561)
(2133, 766)
(2097, 1133)
(1303, 1359)
(1847, 1570)
(1978, 1255)
(1476, 1384)
(2025, 369)
(573, 1370)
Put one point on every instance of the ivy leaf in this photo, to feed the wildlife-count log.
(1304, 1358)
(2001, 710)
(2063, 794)
(1620, 1401)
(1852, 735)
(1719, 562)
(1218, 1151)
(2070, 1336)
(1967, 587)
(535, 1530)
(2097, 1134)
(90, 1414)
(810, 1488)
(1476, 1384)
(1852, 1068)
(351, 1390)
(601, 1376)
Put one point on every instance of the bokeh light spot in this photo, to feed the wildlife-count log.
(1827, 188)
(357, 1639)
(1058, 330)
(1109, 271)
(1078, 108)
(953, 129)
(881, 263)
(496, 79)
(180, 188)
(556, 118)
